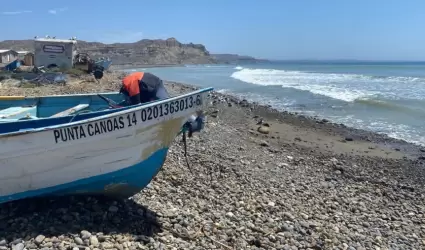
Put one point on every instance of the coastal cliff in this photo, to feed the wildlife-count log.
(146, 51)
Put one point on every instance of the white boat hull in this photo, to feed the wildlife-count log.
(116, 154)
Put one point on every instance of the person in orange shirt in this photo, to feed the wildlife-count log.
(142, 87)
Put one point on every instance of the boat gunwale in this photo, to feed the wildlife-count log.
(64, 95)
(102, 117)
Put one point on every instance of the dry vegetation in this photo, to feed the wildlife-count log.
(77, 83)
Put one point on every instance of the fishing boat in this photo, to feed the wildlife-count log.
(104, 63)
(97, 66)
(58, 150)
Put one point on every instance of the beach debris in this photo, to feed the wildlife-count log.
(214, 113)
(348, 138)
(264, 144)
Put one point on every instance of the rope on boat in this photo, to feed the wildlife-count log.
(185, 152)
(187, 127)
(184, 129)
(79, 112)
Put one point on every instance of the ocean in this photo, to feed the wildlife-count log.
(383, 97)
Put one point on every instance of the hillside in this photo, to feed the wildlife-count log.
(146, 51)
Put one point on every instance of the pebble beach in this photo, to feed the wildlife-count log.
(257, 179)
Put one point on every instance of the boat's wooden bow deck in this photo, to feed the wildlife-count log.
(72, 110)
(18, 112)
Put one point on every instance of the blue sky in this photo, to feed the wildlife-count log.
(278, 29)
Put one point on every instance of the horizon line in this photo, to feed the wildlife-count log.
(342, 60)
(263, 58)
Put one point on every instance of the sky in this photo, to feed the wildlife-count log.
(273, 29)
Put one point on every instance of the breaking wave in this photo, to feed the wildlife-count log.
(394, 105)
(344, 87)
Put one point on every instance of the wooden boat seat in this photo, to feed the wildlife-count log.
(72, 110)
(17, 112)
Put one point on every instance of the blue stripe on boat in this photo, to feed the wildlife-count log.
(127, 181)
(8, 127)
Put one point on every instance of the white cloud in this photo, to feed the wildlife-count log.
(56, 11)
(16, 12)
(120, 37)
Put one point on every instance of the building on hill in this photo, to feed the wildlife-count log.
(8, 55)
(52, 52)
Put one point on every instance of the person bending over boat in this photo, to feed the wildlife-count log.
(142, 87)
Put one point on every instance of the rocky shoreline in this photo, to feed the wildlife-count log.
(259, 179)
(293, 118)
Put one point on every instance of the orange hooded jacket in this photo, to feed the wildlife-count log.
(131, 83)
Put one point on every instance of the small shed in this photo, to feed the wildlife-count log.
(29, 59)
(52, 52)
(21, 54)
(8, 55)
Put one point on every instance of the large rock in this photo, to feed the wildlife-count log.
(264, 129)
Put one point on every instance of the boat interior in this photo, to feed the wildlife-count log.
(23, 113)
